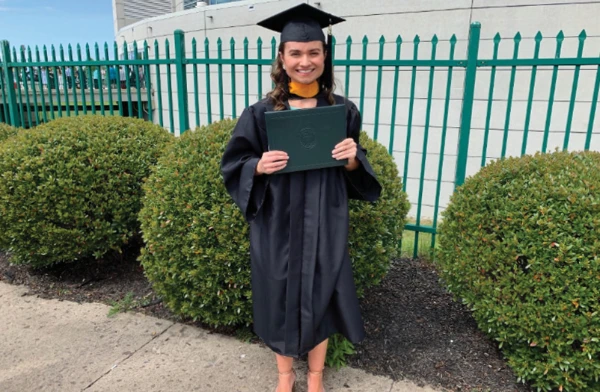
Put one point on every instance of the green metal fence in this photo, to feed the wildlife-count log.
(36, 89)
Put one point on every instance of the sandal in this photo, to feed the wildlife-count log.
(319, 373)
(287, 374)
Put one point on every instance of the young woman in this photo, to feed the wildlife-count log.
(302, 285)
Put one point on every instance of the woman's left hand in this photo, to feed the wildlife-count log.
(346, 150)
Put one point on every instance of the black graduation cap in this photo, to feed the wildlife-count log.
(305, 23)
(301, 23)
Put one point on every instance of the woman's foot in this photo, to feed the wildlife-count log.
(315, 381)
(286, 381)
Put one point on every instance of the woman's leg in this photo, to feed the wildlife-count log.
(286, 374)
(316, 364)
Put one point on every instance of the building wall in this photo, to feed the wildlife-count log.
(128, 12)
(390, 18)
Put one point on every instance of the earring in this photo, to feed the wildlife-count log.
(283, 67)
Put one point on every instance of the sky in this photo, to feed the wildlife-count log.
(47, 22)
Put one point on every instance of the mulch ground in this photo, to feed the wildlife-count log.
(414, 329)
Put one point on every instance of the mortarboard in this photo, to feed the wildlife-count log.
(305, 23)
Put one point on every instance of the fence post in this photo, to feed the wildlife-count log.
(467, 104)
(182, 93)
(7, 74)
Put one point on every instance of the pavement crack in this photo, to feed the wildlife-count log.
(127, 357)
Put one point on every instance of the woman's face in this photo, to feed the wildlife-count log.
(304, 62)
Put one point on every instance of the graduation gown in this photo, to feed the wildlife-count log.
(302, 284)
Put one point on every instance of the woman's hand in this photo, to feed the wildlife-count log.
(271, 162)
(347, 150)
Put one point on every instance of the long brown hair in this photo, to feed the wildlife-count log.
(280, 78)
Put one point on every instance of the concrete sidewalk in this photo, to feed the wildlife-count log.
(51, 345)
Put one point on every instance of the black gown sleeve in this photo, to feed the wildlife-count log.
(362, 183)
(238, 165)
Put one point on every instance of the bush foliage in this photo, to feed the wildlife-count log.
(7, 131)
(197, 245)
(71, 188)
(520, 244)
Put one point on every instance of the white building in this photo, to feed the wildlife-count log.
(127, 12)
(137, 20)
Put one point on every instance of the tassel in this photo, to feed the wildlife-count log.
(327, 78)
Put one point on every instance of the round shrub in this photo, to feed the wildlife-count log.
(197, 246)
(72, 188)
(376, 228)
(7, 131)
(520, 244)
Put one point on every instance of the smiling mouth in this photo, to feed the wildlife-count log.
(304, 72)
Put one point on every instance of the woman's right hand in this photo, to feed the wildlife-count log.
(271, 162)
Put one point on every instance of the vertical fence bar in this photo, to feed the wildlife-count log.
(411, 106)
(100, 82)
(559, 40)
(195, 70)
(3, 112)
(434, 42)
(536, 54)
(72, 77)
(61, 52)
(119, 81)
(3, 89)
(17, 81)
(90, 78)
(147, 81)
(220, 77)
(467, 109)
(50, 86)
(128, 80)
(497, 40)
(233, 89)
(3, 118)
(73, 82)
(41, 71)
(348, 55)
(82, 81)
(246, 83)
(33, 88)
(138, 90)
(169, 87)
(8, 89)
(158, 84)
(378, 94)
(208, 94)
(511, 89)
(363, 74)
(588, 137)
(259, 56)
(582, 38)
(56, 83)
(182, 93)
(25, 86)
(395, 97)
(438, 187)
(110, 71)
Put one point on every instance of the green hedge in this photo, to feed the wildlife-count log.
(71, 188)
(520, 244)
(197, 246)
(376, 228)
(7, 131)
